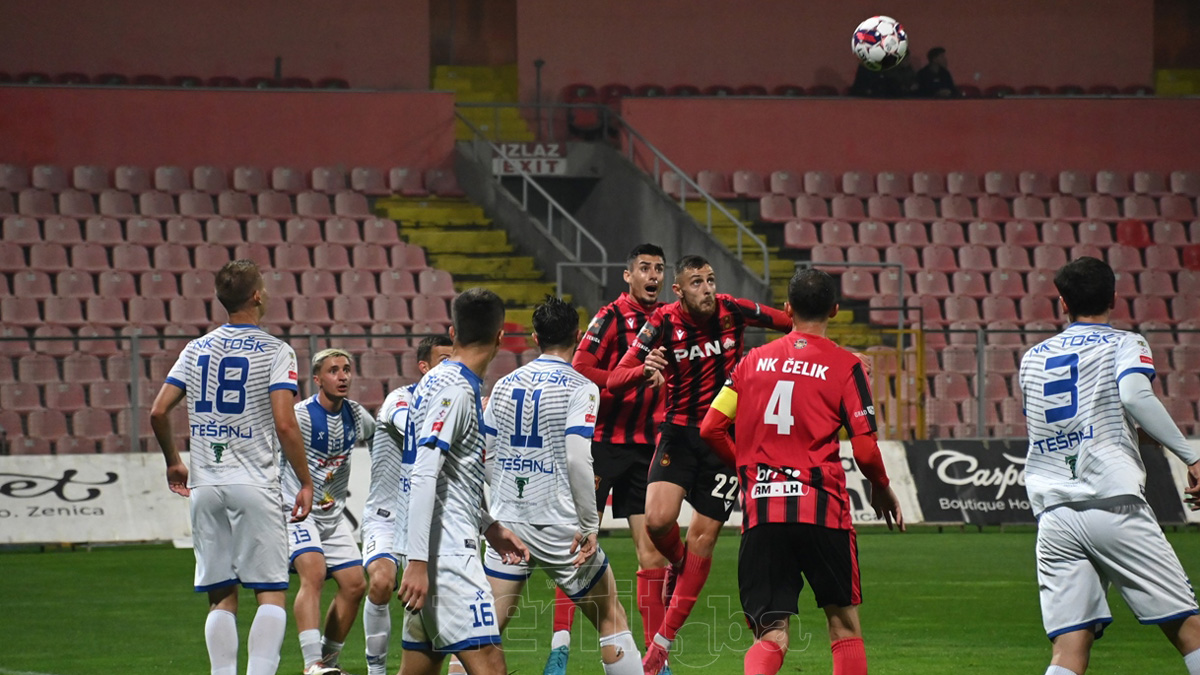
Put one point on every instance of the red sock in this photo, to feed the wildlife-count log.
(670, 544)
(687, 590)
(564, 611)
(764, 658)
(849, 657)
(649, 600)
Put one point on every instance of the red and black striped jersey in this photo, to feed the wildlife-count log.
(793, 396)
(700, 352)
(633, 416)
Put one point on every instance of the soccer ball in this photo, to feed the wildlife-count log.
(879, 43)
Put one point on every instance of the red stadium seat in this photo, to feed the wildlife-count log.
(1169, 232)
(858, 284)
(1102, 207)
(90, 178)
(47, 423)
(328, 179)
(956, 207)
(318, 283)
(370, 258)
(984, 233)
(1115, 183)
(443, 183)
(32, 284)
(825, 257)
(907, 256)
(189, 312)
(368, 181)
(1021, 233)
(975, 257)
(384, 337)
(407, 182)
(999, 309)
(775, 208)
(845, 206)
(292, 257)
(64, 311)
(212, 257)
(1156, 281)
(716, 184)
(873, 233)
(196, 204)
(961, 309)
(143, 231)
(235, 204)
(920, 207)
(436, 283)
(1029, 207)
(970, 283)
(288, 180)
(76, 204)
(837, 233)
(331, 257)
(303, 231)
(60, 230)
(800, 234)
(13, 178)
(786, 183)
(281, 285)
(963, 183)
(1177, 207)
(812, 207)
(380, 231)
(911, 233)
(892, 183)
(1058, 233)
(1139, 206)
(107, 311)
(311, 310)
(35, 202)
(1163, 257)
(1000, 183)
(883, 207)
(819, 183)
(155, 203)
(929, 183)
(158, 285)
(358, 282)
(167, 258)
(351, 204)
(92, 423)
(171, 179)
(409, 257)
(351, 309)
(933, 283)
(1186, 183)
(147, 312)
(1095, 233)
(1064, 207)
(1049, 257)
(1150, 309)
(857, 183)
(313, 205)
(890, 281)
(1125, 258)
(1077, 183)
(272, 204)
(53, 257)
(749, 184)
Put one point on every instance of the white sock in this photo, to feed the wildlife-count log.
(1192, 661)
(562, 638)
(456, 667)
(630, 662)
(330, 652)
(266, 639)
(1059, 670)
(310, 646)
(377, 624)
(221, 636)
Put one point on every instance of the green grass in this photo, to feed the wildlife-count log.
(933, 603)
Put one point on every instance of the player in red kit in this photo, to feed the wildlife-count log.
(695, 343)
(623, 442)
(790, 398)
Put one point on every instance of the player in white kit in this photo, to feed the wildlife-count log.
(443, 585)
(385, 515)
(323, 545)
(1084, 389)
(240, 384)
(540, 420)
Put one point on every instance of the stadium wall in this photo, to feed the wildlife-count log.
(1047, 135)
(378, 44)
(71, 126)
(706, 42)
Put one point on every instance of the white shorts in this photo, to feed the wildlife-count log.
(550, 551)
(332, 538)
(377, 537)
(240, 536)
(459, 612)
(1080, 552)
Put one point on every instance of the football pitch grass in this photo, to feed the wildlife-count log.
(933, 603)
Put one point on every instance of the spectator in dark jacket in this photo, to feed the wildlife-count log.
(934, 80)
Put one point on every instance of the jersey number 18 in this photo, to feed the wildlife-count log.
(232, 373)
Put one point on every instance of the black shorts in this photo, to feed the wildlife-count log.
(683, 458)
(621, 469)
(773, 557)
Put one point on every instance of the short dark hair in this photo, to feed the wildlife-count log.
(555, 322)
(236, 283)
(934, 53)
(1088, 286)
(425, 348)
(690, 262)
(812, 294)
(644, 249)
(478, 316)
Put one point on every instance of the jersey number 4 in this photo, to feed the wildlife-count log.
(779, 408)
(232, 373)
(1067, 385)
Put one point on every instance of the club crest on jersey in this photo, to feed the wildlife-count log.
(218, 450)
(800, 343)
(727, 321)
(522, 481)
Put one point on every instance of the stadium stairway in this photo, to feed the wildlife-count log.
(485, 84)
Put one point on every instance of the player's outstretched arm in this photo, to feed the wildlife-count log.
(288, 430)
(177, 472)
(764, 316)
(714, 429)
(1140, 402)
(883, 498)
(634, 369)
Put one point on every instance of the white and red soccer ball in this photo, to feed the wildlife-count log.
(879, 43)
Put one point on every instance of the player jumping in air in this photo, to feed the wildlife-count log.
(694, 342)
(444, 588)
(790, 398)
(323, 545)
(540, 420)
(240, 384)
(385, 514)
(623, 443)
(1084, 389)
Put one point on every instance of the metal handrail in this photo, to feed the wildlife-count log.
(547, 228)
(610, 119)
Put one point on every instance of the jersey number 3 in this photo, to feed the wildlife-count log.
(232, 373)
(1067, 385)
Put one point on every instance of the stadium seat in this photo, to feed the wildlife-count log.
(331, 257)
(411, 258)
(13, 178)
(436, 283)
(171, 179)
(1185, 358)
(318, 283)
(303, 231)
(1049, 257)
(1076, 183)
(155, 203)
(1095, 234)
(368, 181)
(91, 423)
(273, 204)
(1063, 207)
(856, 183)
(786, 183)
(1139, 206)
(189, 312)
(928, 183)
(280, 285)
(1156, 281)
(380, 231)
(35, 202)
(1162, 257)
(60, 230)
(975, 257)
(158, 285)
(837, 233)
(933, 284)
(906, 256)
(883, 207)
(874, 233)
(800, 234)
(386, 336)
(959, 359)
(328, 179)
(311, 310)
(1102, 207)
(64, 311)
(347, 336)
(1150, 309)
(351, 309)
(1186, 183)
(819, 183)
(109, 396)
(1191, 253)
(969, 283)
(53, 257)
(775, 208)
(32, 284)
(862, 254)
(351, 204)
(66, 396)
(1177, 207)
(407, 182)
(956, 207)
(196, 204)
(116, 203)
(963, 183)
(991, 207)
(89, 178)
(715, 183)
(984, 233)
(235, 204)
(291, 256)
(920, 207)
(1029, 207)
(749, 184)
(211, 257)
(1183, 385)
(1058, 233)
(143, 231)
(369, 258)
(858, 284)
(997, 309)
(961, 309)
(1120, 312)
(1021, 233)
(107, 311)
(125, 422)
(368, 392)
(1005, 332)
(147, 312)
(378, 364)
(288, 180)
(443, 183)
(76, 204)
(812, 207)
(52, 347)
(911, 233)
(266, 231)
(1149, 182)
(313, 205)
(1115, 183)
(358, 282)
(47, 423)
(1000, 183)
(167, 258)
(1124, 258)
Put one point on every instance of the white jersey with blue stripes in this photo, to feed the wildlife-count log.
(1082, 444)
(228, 376)
(445, 416)
(328, 440)
(532, 411)
(389, 476)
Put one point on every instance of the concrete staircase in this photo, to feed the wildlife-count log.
(485, 84)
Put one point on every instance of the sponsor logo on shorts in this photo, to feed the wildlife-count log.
(666, 460)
